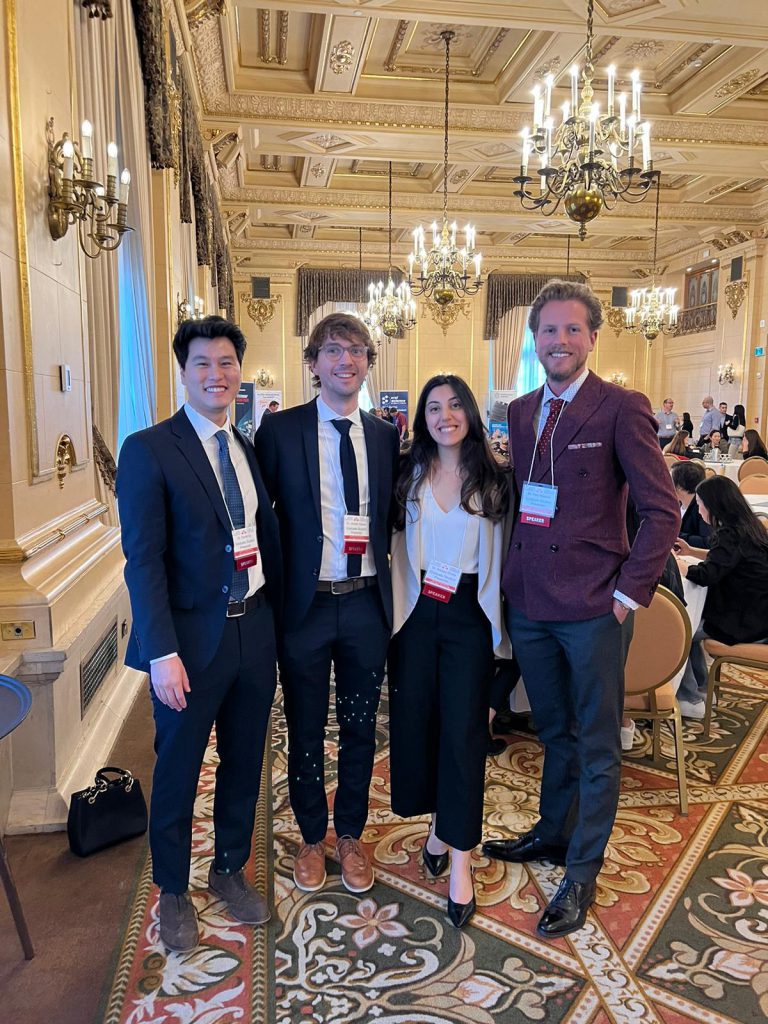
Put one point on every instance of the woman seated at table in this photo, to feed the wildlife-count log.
(735, 571)
(446, 565)
(678, 445)
(753, 445)
(712, 443)
(686, 476)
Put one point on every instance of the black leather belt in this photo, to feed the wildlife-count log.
(237, 608)
(345, 586)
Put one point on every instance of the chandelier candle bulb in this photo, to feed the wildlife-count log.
(575, 88)
(646, 146)
(68, 153)
(125, 183)
(478, 259)
(636, 86)
(631, 138)
(623, 115)
(550, 81)
(566, 109)
(538, 110)
(86, 140)
(611, 88)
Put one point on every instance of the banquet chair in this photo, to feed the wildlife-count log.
(754, 464)
(754, 484)
(709, 472)
(671, 460)
(660, 645)
(748, 655)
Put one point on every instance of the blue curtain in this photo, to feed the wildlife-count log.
(137, 373)
(530, 373)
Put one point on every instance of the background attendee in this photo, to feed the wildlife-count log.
(571, 581)
(735, 573)
(330, 468)
(668, 421)
(725, 420)
(271, 408)
(687, 424)
(190, 491)
(736, 429)
(713, 443)
(752, 445)
(686, 477)
(678, 445)
(711, 420)
(453, 497)
(399, 422)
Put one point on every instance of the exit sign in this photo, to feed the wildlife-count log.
(760, 351)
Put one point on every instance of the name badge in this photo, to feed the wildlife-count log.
(356, 534)
(441, 580)
(538, 504)
(246, 547)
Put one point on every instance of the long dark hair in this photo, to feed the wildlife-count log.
(483, 476)
(729, 509)
(687, 423)
(755, 445)
(739, 417)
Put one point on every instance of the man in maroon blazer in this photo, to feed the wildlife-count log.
(579, 446)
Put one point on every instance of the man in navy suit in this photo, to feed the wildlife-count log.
(330, 469)
(579, 447)
(203, 570)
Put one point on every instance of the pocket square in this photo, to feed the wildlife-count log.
(585, 444)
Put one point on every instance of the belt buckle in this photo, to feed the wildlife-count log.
(337, 593)
(235, 609)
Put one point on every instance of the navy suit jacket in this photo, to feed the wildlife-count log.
(605, 446)
(287, 448)
(177, 541)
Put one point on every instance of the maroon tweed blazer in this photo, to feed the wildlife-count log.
(605, 447)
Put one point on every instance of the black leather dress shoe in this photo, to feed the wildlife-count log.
(460, 913)
(524, 848)
(495, 746)
(435, 863)
(567, 910)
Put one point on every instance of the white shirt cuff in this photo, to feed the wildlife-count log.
(632, 605)
(165, 657)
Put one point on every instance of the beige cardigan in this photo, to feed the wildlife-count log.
(406, 573)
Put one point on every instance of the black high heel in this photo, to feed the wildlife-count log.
(435, 863)
(460, 913)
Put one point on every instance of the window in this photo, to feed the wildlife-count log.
(530, 372)
(701, 287)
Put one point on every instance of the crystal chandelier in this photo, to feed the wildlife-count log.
(390, 310)
(587, 162)
(652, 311)
(445, 273)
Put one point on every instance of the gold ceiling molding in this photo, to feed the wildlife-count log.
(199, 11)
(265, 29)
(498, 39)
(390, 64)
(737, 84)
(342, 57)
(342, 111)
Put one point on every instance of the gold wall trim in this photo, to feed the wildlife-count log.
(22, 255)
(37, 541)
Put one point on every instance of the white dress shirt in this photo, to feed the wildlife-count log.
(452, 536)
(332, 504)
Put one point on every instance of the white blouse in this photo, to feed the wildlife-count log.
(452, 537)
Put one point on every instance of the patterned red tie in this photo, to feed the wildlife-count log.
(555, 405)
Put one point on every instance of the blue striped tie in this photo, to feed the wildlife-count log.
(234, 501)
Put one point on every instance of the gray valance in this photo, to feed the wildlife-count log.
(148, 20)
(505, 291)
(318, 285)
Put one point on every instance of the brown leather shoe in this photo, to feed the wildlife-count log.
(356, 870)
(244, 902)
(309, 867)
(178, 922)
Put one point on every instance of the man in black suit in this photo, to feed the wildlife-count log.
(203, 570)
(330, 469)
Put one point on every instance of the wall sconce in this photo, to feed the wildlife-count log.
(617, 377)
(185, 310)
(726, 373)
(264, 379)
(76, 197)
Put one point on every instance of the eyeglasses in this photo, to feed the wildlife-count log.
(334, 351)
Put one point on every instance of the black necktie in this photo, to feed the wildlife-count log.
(351, 486)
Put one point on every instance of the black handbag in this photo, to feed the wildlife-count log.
(108, 812)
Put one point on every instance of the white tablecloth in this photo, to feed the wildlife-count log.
(729, 469)
(758, 502)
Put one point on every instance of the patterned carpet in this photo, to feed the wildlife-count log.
(679, 934)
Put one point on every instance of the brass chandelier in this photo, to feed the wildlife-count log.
(652, 311)
(445, 273)
(587, 162)
(390, 311)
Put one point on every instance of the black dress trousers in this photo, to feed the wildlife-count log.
(440, 668)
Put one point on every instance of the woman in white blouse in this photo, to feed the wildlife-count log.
(446, 569)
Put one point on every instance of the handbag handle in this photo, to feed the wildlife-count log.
(101, 782)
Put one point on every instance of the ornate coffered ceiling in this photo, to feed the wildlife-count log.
(305, 102)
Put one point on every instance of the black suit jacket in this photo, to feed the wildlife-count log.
(177, 541)
(693, 529)
(287, 448)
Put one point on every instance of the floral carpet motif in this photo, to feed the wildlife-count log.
(678, 934)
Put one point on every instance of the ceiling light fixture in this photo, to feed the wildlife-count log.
(580, 160)
(443, 271)
(390, 310)
(653, 310)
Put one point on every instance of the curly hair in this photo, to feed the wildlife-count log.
(566, 291)
(338, 325)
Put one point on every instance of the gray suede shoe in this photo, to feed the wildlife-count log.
(244, 902)
(178, 922)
